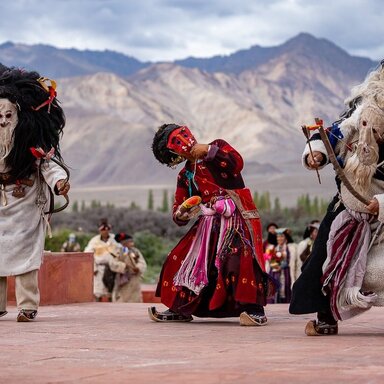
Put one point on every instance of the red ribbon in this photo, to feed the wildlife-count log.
(52, 95)
(39, 153)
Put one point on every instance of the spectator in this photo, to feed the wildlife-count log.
(280, 265)
(105, 252)
(271, 236)
(304, 248)
(71, 245)
(309, 227)
(128, 284)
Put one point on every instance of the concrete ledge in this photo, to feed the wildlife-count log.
(64, 278)
(148, 291)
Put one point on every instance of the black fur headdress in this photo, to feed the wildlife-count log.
(40, 123)
(159, 146)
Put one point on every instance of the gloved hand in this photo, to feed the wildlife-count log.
(186, 214)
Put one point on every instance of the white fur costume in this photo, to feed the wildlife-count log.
(359, 151)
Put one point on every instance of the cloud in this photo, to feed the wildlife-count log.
(158, 30)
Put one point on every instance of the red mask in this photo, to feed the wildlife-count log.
(181, 140)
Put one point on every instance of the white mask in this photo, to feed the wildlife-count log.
(8, 122)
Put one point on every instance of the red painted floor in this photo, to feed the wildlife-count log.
(117, 343)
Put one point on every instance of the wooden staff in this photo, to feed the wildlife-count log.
(336, 166)
(307, 136)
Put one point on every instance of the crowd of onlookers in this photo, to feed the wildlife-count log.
(284, 258)
(118, 264)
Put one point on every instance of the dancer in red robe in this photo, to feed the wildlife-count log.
(217, 268)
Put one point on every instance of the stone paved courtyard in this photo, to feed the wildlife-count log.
(117, 343)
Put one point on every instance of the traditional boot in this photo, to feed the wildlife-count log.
(320, 328)
(167, 316)
(250, 319)
(26, 315)
(324, 325)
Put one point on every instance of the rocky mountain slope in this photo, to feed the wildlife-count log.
(256, 103)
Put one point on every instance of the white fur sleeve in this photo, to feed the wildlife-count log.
(52, 173)
(316, 145)
(380, 199)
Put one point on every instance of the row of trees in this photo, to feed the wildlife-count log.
(154, 231)
(305, 204)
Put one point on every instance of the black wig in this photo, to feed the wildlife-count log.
(159, 146)
(36, 127)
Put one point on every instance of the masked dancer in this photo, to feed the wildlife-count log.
(218, 268)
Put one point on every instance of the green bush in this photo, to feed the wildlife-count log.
(151, 276)
(54, 243)
(154, 248)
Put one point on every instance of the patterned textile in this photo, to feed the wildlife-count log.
(193, 272)
(344, 269)
(217, 268)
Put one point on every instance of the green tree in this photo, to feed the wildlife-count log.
(277, 206)
(307, 204)
(265, 202)
(268, 201)
(151, 204)
(75, 206)
(315, 207)
(95, 204)
(134, 205)
(323, 206)
(300, 202)
(262, 203)
(165, 205)
(256, 198)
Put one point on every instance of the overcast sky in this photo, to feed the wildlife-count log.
(156, 30)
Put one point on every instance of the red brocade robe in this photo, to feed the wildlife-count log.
(240, 280)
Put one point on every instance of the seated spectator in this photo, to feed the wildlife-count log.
(71, 245)
(128, 284)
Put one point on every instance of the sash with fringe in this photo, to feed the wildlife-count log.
(193, 273)
(344, 269)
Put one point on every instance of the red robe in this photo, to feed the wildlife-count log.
(241, 281)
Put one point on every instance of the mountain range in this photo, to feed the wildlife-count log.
(256, 99)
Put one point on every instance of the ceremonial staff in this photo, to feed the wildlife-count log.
(307, 136)
(332, 157)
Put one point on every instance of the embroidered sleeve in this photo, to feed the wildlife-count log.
(181, 194)
(224, 156)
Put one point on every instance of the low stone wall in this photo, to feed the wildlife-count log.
(64, 278)
(67, 277)
(148, 292)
